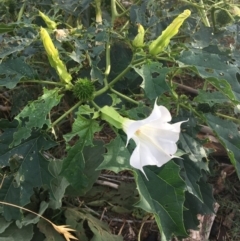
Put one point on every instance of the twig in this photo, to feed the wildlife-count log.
(109, 179)
(118, 177)
(187, 88)
(121, 229)
(106, 183)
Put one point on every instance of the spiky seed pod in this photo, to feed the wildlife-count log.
(223, 17)
(84, 89)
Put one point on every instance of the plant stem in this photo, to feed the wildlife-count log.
(228, 117)
(95, 105)
(124, 96)
(101, 91)
(203, 14)
(43, 82)
(98, 11)
(137, 62)
(114, 81)
(114, 11)
(108, 63)
(64, 115)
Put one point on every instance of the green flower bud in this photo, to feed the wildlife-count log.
(158, 45)
(50, 24)
(54, 59)
(84, 89)
(138, 41)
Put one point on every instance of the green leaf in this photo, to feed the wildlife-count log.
(50, 233)
(100, 230)
(80, 164)
(12, 45)
(34, 114)
(6, 28)
(4, 224)
(73, 7)
(83, 127)
(13, 233)
(194, 206)
(117, 157)
(228, 135)
(27, 169)
(163, 195)
(31, 218)
(194, 149)
(191, 174)
(58, 184)
(93, 157)
(221, 74)
(154, 79)
(138, 113)
(13, 70)
(210, 98)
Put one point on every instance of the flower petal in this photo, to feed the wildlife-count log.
(159, 114)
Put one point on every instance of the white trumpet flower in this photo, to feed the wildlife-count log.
(155, 138)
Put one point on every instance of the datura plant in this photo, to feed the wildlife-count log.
(72, 108)
(154, 136)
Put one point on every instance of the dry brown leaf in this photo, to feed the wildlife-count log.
(64, 230)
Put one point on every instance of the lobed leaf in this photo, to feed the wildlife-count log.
(221, 74)
(79, 167)
(211, 98)
(99, 229)
(34, 115)
(14, 233)
(228, 134)
(154, 79)
(14, 70)
(27, 167)
(163, 195)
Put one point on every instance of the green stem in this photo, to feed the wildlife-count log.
(95, 105)
(124, 26)
(189, 107)
(205, 85)
(101, 91)
(64, 115)
(120, 6)
(114, 11)
(108, 63)
(228, 117)
(124, 96)
(21, 11)
(203, 14)
(98, 11)
(114, 81)
(43, 82)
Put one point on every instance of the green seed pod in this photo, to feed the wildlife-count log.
(84, 89)
(223, 17)
(138, 41)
